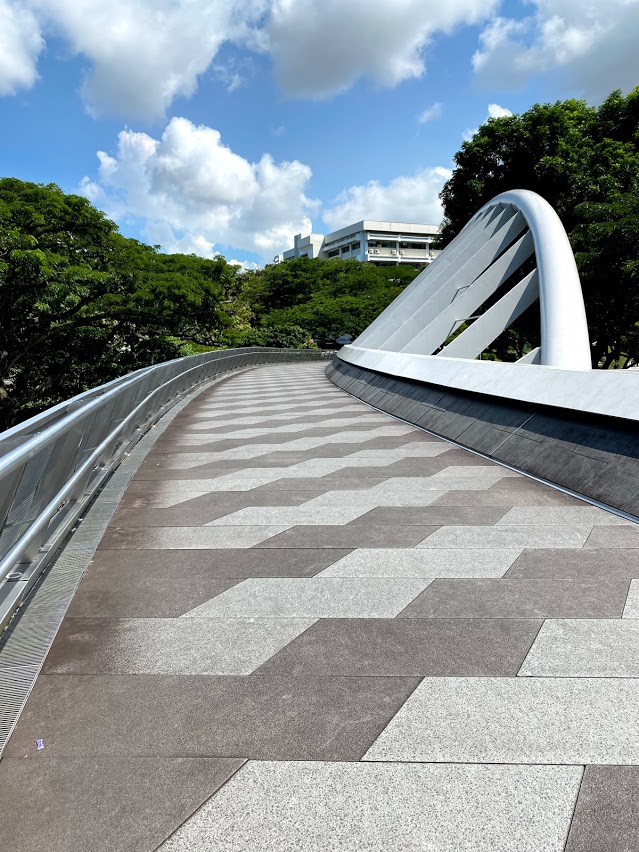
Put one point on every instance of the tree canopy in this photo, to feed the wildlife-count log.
(584, 160)
(81, 304)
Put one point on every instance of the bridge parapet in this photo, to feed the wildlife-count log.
(549, 413)
(53, 465)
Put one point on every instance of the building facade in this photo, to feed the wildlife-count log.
(382, 243)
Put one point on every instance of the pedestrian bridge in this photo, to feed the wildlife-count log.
(255, 602)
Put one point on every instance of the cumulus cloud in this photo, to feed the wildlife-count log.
(432, 113)
(404, 199)
(193, 194)
(496, 111)
(21, 43)
(493, 111)
(592, 45)
(143, 55)
(321, 48)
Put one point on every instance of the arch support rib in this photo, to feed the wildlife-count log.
(564, 329)
(482, 261)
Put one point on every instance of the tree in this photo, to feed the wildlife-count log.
(607, 252)
(81, 304)
(584, 160)
(336, 297)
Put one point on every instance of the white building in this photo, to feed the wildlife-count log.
(382, 243)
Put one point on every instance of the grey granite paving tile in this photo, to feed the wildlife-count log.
(477, 468)
(78, 805)
(287, 807)
(522, 484)
(631, 609)
(430, 449)
(571, 515)
(223, 502)
(432, 515)
(123, 566)
(624, 536)
(510, 537)
(177, 516)
(136, 595)
(276, 718)
(390, 647)
(605, 818)
(350, 535)
(326, 425)
(316, 416)
(218, 413)
(287, 516)
(519, 599)
(214, 477)
(189, 538)
(330, 482)
(492, 497)
(188, 646)
(326, 451)
(441, 484)
(515, 720)
(318, 597)
(585, 648)
(393, 467)
(374, 497)
(412, 562)
(578, 564)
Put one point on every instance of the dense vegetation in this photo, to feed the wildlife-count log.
(585, 161)
(81, 304)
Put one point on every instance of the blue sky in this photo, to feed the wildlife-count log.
(230, 125)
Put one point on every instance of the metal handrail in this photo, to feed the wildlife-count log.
(52, 465)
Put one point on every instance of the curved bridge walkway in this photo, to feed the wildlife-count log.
(312, 627)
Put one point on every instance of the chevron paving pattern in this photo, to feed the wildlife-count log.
(312, 627)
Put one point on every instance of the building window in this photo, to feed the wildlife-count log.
(345, 249)
(333, 253)
(356, 246)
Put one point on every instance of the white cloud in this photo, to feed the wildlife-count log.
(493, 111)
(496, 111)
(592, 44)
(404, 199)
(194, 194)
(432, 113)
(140, 56)
(20, 45)
(321, 47)
(144, 54)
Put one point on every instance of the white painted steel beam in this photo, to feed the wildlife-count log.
(490, 325)
(404, 325)
(514, 228)
(467, 300)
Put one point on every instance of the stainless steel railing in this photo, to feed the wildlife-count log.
(52, 465)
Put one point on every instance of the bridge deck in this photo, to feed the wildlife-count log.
(310, 627)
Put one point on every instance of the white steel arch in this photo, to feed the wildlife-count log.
(484, 257)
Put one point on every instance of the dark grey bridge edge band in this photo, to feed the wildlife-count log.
(597, 457)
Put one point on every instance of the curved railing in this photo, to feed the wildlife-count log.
(52, 465)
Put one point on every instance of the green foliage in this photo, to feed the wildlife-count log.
(584, 160)
(607, 252)
(283, 336)
(336, 297)
(80, 304)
